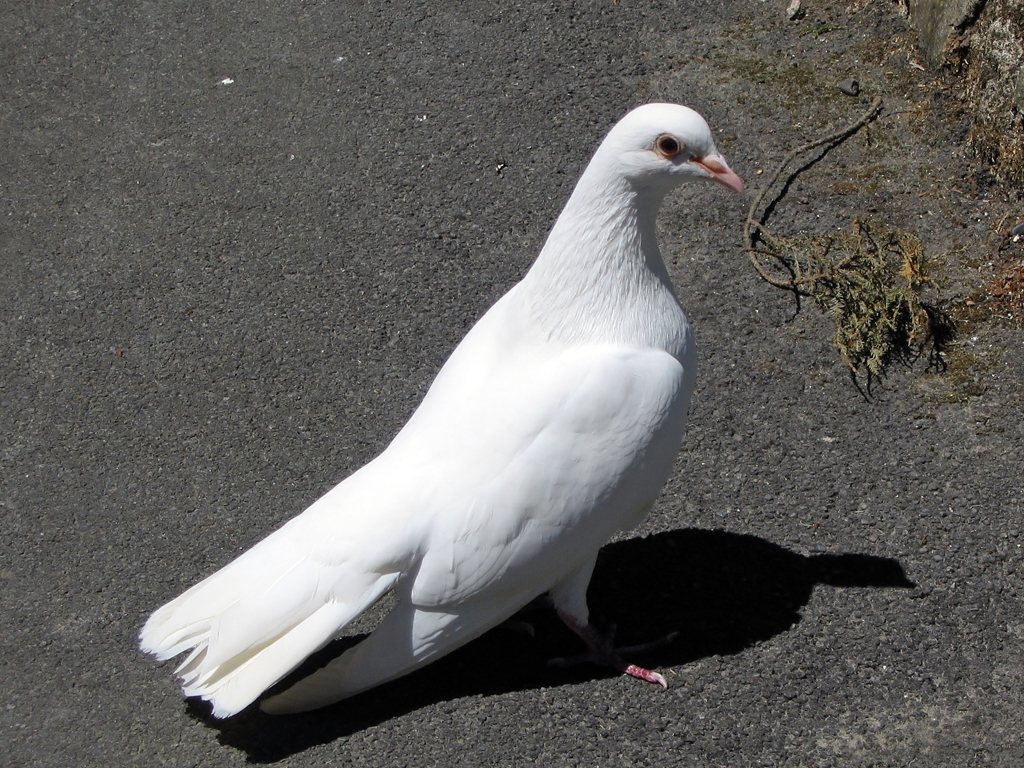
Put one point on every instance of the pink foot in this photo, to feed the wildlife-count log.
(645, 674)
(602, 651)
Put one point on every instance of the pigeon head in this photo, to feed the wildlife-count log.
(658, 146)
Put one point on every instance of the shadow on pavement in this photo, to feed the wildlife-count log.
(722, 591)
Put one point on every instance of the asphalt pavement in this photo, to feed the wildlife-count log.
(237, 242)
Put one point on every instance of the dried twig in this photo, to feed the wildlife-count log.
(869, 283)
(754, 228)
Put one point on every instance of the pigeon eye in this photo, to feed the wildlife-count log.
(668, 146)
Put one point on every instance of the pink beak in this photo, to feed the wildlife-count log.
(720, 171)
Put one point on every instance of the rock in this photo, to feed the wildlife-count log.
(986, 55)
(938, 22)
(850, 87)
(794, 11)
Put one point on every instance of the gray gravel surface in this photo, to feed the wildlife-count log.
(237, 242)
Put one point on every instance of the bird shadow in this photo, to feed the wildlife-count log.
(722, 591)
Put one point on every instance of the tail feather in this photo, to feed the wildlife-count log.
(232, 686)
(257, 619)
(407, 638)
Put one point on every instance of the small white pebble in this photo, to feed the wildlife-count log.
(227, 81)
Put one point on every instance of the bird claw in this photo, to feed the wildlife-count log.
(603, 651)
(645, 674)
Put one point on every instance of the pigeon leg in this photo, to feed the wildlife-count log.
(603, 651)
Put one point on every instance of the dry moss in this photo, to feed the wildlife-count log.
(1007, 287)
(869, 284)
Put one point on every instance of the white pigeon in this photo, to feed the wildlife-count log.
(552, 426)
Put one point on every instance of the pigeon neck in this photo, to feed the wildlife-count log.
(600, 276)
